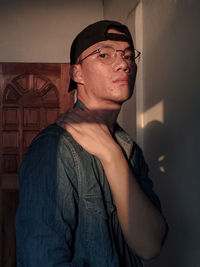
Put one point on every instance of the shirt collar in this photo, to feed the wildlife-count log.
(79, 104)
(124, 140)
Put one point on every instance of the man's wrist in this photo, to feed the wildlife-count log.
(112, 155)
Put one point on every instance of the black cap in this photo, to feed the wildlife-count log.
(95, 33)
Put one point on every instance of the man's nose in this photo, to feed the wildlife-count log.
(120, 62)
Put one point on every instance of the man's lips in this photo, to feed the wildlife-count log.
(121, 80)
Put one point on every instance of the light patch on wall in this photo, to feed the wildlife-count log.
(155, 113)
(161, 160)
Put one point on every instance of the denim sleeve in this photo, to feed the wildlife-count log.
(47, 212)
(141, 171)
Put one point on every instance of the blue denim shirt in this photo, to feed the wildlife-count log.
(66, 215)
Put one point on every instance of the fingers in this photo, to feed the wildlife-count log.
(87, 128)
(74, 131)
(84, 122)
(72, 120)
(79, 116)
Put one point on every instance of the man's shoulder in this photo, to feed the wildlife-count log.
(51, 148)
(53, 140)
(53, 133)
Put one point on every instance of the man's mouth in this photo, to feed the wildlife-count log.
(121, 80)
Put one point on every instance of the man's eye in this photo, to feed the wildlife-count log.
(104, 55)
(129, 57)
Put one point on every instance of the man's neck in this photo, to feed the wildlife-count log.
(107, 113)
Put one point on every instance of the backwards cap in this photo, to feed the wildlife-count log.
(95, 33)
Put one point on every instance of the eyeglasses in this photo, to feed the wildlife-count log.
(108, 55)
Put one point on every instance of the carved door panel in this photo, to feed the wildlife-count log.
(32, 96)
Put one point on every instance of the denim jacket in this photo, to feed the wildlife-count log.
(66, 215)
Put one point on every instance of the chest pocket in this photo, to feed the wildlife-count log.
(98, 220)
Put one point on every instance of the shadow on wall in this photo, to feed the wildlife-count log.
(157, 141)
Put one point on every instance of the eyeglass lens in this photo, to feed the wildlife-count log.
(108, 54)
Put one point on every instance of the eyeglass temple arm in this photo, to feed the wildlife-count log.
(94, 52)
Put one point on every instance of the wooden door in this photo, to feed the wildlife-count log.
(31, 96)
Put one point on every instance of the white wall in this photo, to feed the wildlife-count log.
(42, 30)
(171, 121)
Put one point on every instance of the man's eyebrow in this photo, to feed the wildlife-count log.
(113, 46)
(129, 48)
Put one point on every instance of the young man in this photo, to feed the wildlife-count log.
(85, 195)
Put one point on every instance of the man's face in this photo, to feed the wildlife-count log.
(102, 83)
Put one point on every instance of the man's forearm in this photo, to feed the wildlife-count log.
(142, 224)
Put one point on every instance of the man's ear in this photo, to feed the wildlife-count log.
(75, 73)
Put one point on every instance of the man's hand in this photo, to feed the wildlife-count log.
(90, 131)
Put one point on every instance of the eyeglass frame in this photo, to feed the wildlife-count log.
(116, 50)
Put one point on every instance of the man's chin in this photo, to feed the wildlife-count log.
(122, 98)
(126, 94)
